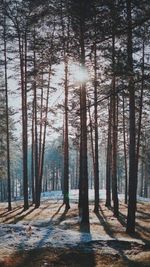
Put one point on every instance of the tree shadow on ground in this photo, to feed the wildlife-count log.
(144, 215)
(55, 214)
(118, 245)
(139, 229)
(86, 246)
(9, 212)
(63, 216)
(50, 226)
(10, 219)
(17, 218)
(52, 257)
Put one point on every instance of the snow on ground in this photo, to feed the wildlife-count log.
(143, 199)
(74, 194)
(26, 235)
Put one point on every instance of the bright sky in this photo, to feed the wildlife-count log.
(77, 75)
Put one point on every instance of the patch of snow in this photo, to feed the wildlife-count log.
(74, 194)
(143, 199)
(28, 236)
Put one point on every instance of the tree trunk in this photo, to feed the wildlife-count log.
(66, 142)
(109, 158)
(96, 166)
(132, 152)
(114, 135)
(7, 120)
(125, 153)
(140, 111)
(24, 123)
(37, 185)
(33, 158)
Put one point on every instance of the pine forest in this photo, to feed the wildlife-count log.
(74, 133)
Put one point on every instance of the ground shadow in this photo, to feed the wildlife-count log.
(118, 245)
(63, 216)
(24, 214)
(139, 229)
(55, 214)
(9, 212)
(9, 218)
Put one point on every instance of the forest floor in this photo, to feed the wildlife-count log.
(50, 236)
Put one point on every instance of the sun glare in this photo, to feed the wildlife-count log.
(78, 73)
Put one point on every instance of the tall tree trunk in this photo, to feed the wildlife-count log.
(140, 111)
(33, 158)
(42, 152)
(91, 137)
(109, 157)
(142, 172)
(125, 152)
(132, 151)
(37, 186)
(85, 207)
(65, 33)
(7, 120)
(24, 123)
(26, 206)
(83, 111)
(66, 142)
(114, 135)
(80, 162)
(96, 167)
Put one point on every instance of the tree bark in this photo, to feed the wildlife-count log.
(96, 166)
(132, 147)
(125, 152)
(24, 122)
(7, 120)
(109, 157)
(114, 135)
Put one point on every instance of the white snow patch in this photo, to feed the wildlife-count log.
(143, 199)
